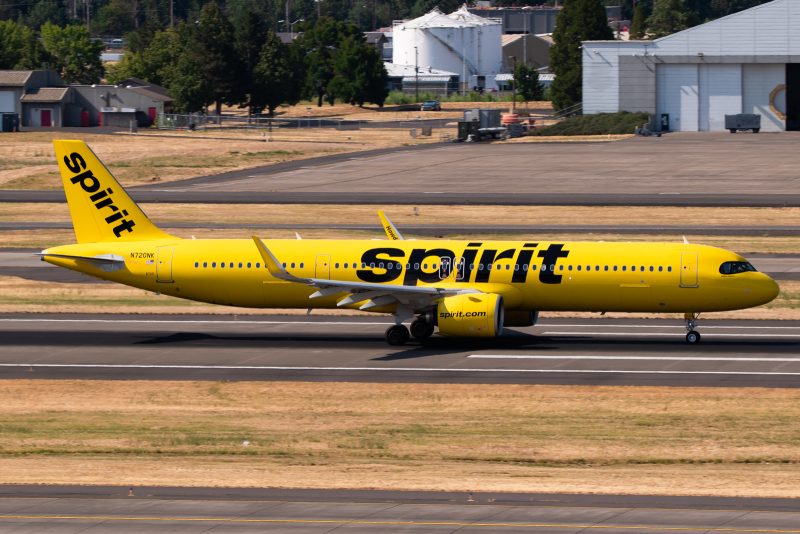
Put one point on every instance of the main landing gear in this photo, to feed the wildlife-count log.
(692, 337)
(421, 328)
(396, 335)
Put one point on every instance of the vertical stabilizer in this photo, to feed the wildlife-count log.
(101, 210)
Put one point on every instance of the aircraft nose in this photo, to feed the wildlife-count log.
(767, 290)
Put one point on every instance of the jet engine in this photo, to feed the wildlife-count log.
(471, 315)
(521, 318)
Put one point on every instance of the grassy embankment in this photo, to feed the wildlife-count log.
(723, 441)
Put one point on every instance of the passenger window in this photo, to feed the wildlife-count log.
(363, 265)
(434, 266)
(508, 267)
(480, 267)
(258, 265)
(560, 267)
(231, 265)
(525, 267)
(605, 268)
(624, 268)
(669, 269)
(552, 267)
(533, 267)
(660, 269)
(399, 266)
(651, 268)
(633, 268)
(213, 264)
(641, 269)
(416, 266)
(249, 264)
(516, 267)
(408, 266)
(345, 265)
(424, 265)
(380, 265)
(301, 265)
(596, 267)
(580, 267)
(336, 265)
(569, 268)
(222, 265)
(205, 264)
(489, 266)
(196, 264)
(371, 265)
(292, 265)
(240, 265)
(544, 267)
(615, 268)
(284, 265)
(588, 267)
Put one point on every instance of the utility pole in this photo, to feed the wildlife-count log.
(525, 39)
(374, 15)
(171, 13)
(287, 13)
(319, 8)
(416, 73)
(86, 3)
(513, 85)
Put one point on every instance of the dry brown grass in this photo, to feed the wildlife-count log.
(28, 160)
(428, 215)
(403, 436)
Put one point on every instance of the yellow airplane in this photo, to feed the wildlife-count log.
(465, 288)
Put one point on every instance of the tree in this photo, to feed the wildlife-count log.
(74, 55)
(527, 82)
(579, 20)
(114, 19)
(668, 17)
(45, 11)
(214, 50)
(359, 75)
(251, 35)
(34, 55)
(12, 40)
(638, 28)
(316, 47)
(276, 77)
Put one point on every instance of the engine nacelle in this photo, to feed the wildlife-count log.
(521, 318)
(471, 315)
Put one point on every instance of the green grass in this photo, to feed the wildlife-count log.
(598, 124)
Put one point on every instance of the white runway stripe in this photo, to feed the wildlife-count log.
(659, 334)
(180, 322)
(383, 369)
(637, 358)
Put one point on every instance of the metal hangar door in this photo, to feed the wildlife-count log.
(677, 95)
(720, 95)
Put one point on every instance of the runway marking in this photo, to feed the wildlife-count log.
(660, 334)
(179, 322)
(637, 358)
(362, 522)
(391, 369)
(667, 326)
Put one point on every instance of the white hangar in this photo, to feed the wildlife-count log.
(748, 62)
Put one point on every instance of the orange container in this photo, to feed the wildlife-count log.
(510, 118)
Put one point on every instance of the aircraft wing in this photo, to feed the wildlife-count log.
(390, 229)
(375, 294)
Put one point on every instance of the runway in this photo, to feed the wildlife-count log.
(352, 349)
(471, 229)
(72, 509)
(679, 169)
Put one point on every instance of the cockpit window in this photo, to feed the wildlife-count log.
(733, 267)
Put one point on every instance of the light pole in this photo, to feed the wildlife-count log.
(319, 10)
(290, 26)
(416, 73)
(513, 84)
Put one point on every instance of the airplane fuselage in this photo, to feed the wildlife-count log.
(530, 275)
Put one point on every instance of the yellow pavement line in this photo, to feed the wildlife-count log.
(356, 522)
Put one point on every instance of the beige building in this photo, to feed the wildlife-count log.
(529, 49)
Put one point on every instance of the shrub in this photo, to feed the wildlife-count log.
(398, 98)
(622, 122)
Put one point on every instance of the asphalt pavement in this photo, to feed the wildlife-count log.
(679, 169)
(352, 349)
(73, 509)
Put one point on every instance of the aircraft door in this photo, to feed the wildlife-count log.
(323, 270)
(164, 264)
(459, 268)
(445, 268)
(689, 269)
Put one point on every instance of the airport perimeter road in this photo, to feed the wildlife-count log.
(678, 169)
(65, 509)
(352, 349)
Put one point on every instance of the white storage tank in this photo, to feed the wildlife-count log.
(459, 42)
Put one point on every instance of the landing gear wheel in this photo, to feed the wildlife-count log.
(396, 335)
(693, 337)
(421, 329)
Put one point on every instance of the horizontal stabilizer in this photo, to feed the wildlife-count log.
(106, 262)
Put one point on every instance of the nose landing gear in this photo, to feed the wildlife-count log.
(692, 337)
